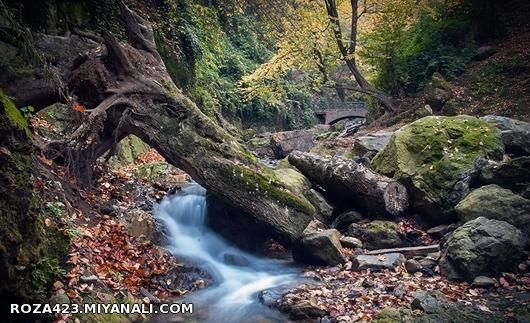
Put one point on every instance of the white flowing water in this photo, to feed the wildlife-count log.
(234, 295)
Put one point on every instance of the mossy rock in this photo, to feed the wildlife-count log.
(153, 171)
(382, 234)
(435, 158)
(293, 179)
(482, 247)
(393, 315)
(494, 202)
(13, 114)
(30, 252)
(129, 149)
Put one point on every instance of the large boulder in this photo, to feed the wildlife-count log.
(372, 142)
(513, 174)
(351, 183)
(319, 248)
(515, 134)
(287, 141)
(437, 92)
(435, 158)
(482, 247)
(494, 202)
(378, 234)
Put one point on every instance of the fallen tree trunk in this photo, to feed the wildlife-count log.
(125, 89)
(349, 182)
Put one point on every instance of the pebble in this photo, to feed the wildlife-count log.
(483, 282)
(412, 266)
(88, 279)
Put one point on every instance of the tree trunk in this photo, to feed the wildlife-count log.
(348, 53)
(126, 89)
(346, 181)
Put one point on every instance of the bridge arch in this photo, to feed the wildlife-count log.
(332, 116)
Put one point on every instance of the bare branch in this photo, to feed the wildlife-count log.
(84, 34)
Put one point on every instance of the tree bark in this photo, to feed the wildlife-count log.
(348, 53)
(346, 181)
(126, 89)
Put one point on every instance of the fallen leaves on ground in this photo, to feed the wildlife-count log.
(358, 296)
(118, 260)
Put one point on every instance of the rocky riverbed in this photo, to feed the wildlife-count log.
(429, 222)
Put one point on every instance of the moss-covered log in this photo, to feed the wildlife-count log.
(346, 181)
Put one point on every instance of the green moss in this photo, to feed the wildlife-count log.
(293, 179)
(432, 153)
(390, 315)
(269, 182)
(153, 172)
(13, 114)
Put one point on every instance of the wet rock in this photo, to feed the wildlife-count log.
(319, 248)
(483, 282)
(285, 142)
(372, 142)
(236, 260)
(494, 202)
(515, 134)
(429, 302)
(345, 219)
(512, 174)
(270, 297)
(413, 266)
(439, 231)
(351, 242)
(304, 309)
(381, 262)
(481, 247)
(435, 157)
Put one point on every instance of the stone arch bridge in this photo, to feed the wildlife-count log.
(332, 115)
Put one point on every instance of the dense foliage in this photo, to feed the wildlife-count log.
(409, 42)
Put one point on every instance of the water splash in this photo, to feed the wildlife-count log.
(233, 298)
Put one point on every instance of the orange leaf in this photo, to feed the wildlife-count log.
(79, 107)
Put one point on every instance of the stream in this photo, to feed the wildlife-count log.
(238, 276)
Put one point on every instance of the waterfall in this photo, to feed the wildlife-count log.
(233, 298)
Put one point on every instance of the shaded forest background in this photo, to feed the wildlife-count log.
(271, 63)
